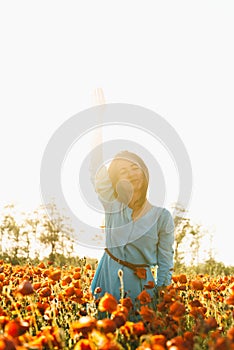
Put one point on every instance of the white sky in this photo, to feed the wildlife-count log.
(173, 57)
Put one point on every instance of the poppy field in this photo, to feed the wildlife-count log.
(49, 307)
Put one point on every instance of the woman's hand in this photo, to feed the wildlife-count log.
(98, 97)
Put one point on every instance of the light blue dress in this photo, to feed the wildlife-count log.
(148, 240)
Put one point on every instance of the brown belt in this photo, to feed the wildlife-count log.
(139, 269)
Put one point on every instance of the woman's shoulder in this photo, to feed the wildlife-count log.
(161, 210)
(166, 221)
(163, 214)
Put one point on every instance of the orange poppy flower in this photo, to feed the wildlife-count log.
(157, 347)
(144, 297)
(76, 276)
(231, 287)
(4, 320)
(127, 302)
(181, 287)
(41, 265)
(195, 303)
(55, 275)
(25, 288)
(107, 303)
(230, 334)
(84, 325)
(159, 339)
(147, 346)
(121, 308)
(223, 344)
(158, 323)
(69, 291)
(119, 318)
(36, 285)
(177, 343)
(16, 327)
(175, 278)
(106, 325)
(140, 272)
(66, 280)
(169, 297)
(147, 314)
(104, 341)
(2, 312)
(126, 329)
(210, 324)
(6, 343)
(161, 306)
(177, 310)
(197, 285)
(189, 337)
(78, 292)
(149, 285)
(76, 284)
(37, 271)
(45, 292)
(83, 344)
(182, 278)
(230, 300)
(42, 307)
(198, 312)
(46, 273)
(139, 328)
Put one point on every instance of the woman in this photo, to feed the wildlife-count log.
(139, 235)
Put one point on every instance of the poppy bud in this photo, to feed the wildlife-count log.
(25, 288)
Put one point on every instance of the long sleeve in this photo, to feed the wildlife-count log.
(165, 251)
(98, 171)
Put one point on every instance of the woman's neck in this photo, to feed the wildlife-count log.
(140, 208)
(137, 204)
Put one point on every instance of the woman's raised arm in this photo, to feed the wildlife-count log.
(98, 171)
(96, 156)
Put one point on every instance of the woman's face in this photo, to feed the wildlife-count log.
(131, 182)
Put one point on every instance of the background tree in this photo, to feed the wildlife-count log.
(11, 230)
(185, 232)
(55, 231)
